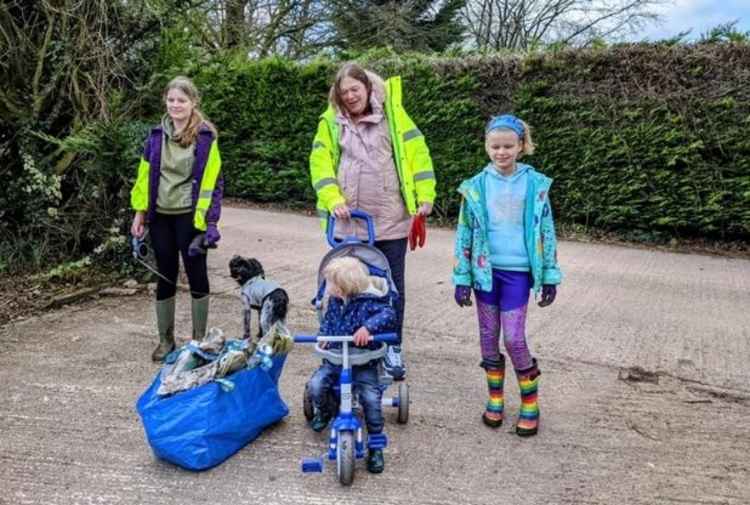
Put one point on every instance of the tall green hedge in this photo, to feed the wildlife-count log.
(638, 137)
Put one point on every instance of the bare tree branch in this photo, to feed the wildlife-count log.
(520, 24)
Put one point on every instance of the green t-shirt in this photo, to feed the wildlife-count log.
(176, 179)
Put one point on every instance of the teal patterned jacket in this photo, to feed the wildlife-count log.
(472, 266)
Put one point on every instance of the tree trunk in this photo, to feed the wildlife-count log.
(235, 27)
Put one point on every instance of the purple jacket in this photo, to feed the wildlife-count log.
(152, 154)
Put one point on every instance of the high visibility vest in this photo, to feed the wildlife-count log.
(410, 152)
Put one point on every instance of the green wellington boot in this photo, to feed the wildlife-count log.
(165, 327)
(199, 311)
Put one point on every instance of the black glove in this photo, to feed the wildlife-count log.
(197, 245)
(549, 292)
(462, 295)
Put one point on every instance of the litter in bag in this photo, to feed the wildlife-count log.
(203, 426)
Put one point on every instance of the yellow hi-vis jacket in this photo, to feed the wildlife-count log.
(208, 182)
(410, 153)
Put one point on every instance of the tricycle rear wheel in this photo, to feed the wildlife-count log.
(403, 403)
(307, 406)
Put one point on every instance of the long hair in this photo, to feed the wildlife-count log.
(353, 70)
(528, 144)
(188, 134)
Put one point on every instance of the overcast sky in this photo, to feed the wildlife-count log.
(700, 15)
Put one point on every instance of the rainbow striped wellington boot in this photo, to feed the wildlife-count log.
(528, 419)
(495, 370)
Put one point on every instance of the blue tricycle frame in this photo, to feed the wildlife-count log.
(346, 440)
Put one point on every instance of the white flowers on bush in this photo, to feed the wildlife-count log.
(68, 268)
(47, 186)
(113, 242)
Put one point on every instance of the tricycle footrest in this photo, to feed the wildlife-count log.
(312, 465)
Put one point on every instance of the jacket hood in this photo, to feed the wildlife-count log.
(476, 183)
(493, 172)
(378, 287)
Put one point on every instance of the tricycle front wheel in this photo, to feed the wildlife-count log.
(345, 457)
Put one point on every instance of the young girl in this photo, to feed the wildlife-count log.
(359, 305)
(506, 246)
(178, 194)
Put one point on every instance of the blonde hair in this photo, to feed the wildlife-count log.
(348, 274)
(188, 135)
(527, 144)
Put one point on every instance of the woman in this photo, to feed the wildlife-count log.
(368, 154)
(178, 195)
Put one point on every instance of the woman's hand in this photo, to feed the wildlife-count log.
(362, 337)
(342, 211)
(425, 209)
(137, 228)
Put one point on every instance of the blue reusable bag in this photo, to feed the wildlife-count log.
(201, 427)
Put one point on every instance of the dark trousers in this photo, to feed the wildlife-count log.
(364, 384)
(171, 236)
(395, 253)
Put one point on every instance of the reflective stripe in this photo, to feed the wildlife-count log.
(317, 145)
(412, 134)
(323, 214)
(424, 175)
(207, 186)
(139, 193)
(324, 182)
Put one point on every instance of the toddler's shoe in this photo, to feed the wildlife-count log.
(375, 461)
(393, 363)
(319, 421)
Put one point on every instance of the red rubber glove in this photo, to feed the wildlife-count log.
(418, 232)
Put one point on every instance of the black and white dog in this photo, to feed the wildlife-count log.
(257, 293)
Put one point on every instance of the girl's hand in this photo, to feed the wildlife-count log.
(362, 337)
(462, 295)
(549, 292)
(425, 209)
(137, 228)
(342, 211)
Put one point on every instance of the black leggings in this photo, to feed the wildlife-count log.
(171, 235)
(395, 253)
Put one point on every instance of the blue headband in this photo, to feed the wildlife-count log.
(508, 121)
